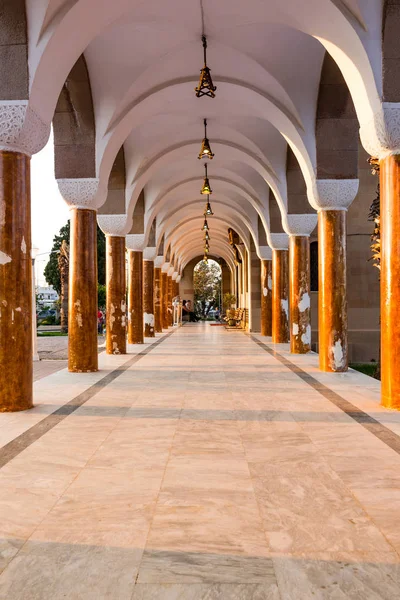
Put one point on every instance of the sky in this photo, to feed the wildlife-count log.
(49, 211)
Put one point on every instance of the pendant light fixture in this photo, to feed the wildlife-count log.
(205, 258)
(207, 247)
(208, 210)
(205, 226)
(205, 151)
(206, 189)
(207, 236)
(206, 86)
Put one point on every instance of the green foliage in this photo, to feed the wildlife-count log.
(51, 271)
(228, 300)
(366, 368)
(101, 296)
(207, 286)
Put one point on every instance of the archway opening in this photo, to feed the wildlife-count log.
(207, 288)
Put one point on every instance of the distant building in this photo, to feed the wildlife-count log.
(46, 296)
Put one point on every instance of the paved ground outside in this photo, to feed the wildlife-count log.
(53, 354)
(209, 465)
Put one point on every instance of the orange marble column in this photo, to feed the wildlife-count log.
(170, 314)
(390, 281)
(266, 297)
(280, 296)
(82, 301)
(332, 297)
(157, 300)
(148, 298)
(299, 294)
(135, 298)
(164, 300)
(116, 295)
(15, 283)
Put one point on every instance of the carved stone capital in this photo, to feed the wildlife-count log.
(336, 194)
(279, 241)
(265, 253)
(80, 193)
(135, 241)
(158, 262)
(302, 225)
(21, 129)
(165, 266)
(381, 135)
(174, 275)
(113, 225)
(170, 271)
(178, 278)
(149, 253)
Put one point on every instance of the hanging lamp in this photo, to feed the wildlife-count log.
(205, 151)
(205, 258)
(206, 86)
(208, 210)
(206, 247)
(207, 236)
(205, 226)
(206, 189)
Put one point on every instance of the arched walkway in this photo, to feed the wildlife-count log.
(207, 464)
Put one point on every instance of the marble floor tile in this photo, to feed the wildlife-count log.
(45, 571)
(206, 591)
(203, 567)
(332, 580)
(207, 470)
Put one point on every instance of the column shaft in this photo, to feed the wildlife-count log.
(390, 281)
(280, 296)
(116, 295)
(135, 298)
(170, 315)
(157, 300)
(332, 298)
(299, 284)
(164, 300)
(15, 283)
(148, 298)
(82, 301)
(266, 297)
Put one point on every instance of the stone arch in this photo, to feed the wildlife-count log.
(74, 126)
(336, 126)
(391, 51)
(14, 76)
(115, 202)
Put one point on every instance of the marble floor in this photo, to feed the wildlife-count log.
(205, 465)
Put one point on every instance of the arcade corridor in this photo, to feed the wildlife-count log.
(203, 466)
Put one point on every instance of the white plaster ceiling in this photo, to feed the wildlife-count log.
(144, 59)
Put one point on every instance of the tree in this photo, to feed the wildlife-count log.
(52, 271)
(207, 286)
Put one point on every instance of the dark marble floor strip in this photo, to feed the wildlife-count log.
(23, 441)
(380, 431)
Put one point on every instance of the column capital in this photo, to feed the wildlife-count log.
(84, 193)
(302, 225)
(135, 242)
(170, 271)
(380, 136)
(150, 253)
(336, 194)
(158, 262)
(21, 129)
(279, 241)
(265, 253)
(112, 225)
(164, 267)
(174, 275)
(178, 278)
